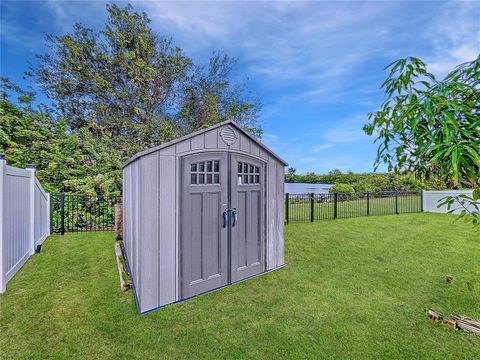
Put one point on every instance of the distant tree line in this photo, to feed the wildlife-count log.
(358, 182)
(112, 93)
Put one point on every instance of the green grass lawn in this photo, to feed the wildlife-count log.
(355, 288)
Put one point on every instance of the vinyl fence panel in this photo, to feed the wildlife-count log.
(16, 220)
(42, 213)
(431, 200)
(24, 218)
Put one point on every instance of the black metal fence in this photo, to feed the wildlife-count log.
(82, 213)
(88, 213)
(314, 207)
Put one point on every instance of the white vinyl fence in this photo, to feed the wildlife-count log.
(24, 218)
(431, 200)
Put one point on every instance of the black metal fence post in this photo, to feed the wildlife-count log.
(312, 207)
(287, 207)
(335, 202)
(396, 202)
(51, 213)
(368, 204)
(62, 213)
(421, 201)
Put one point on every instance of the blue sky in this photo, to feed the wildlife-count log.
(316, 66)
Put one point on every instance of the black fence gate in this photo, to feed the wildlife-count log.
(82, 213)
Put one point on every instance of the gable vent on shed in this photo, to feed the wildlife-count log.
(228, 135)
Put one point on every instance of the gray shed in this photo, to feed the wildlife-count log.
(201, 212)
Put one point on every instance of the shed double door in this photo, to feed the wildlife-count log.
(222, 220)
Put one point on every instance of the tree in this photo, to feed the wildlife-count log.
(431, 128)
(209, 97)
(334, 172)
(291, 171)
(427, 127)
(291, 175)
(138, 86)
(83, 161)
(23, 134)
(120, 77)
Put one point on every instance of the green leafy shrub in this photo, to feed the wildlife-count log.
(364, 186)
(342, 189)
(410, 183)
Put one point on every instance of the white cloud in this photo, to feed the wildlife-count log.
(65, 13)
(454, 35)
(314, 50)
(59, 15)
(464, 53)
(317, 66)
(319, 148)
(346, 130)
(314, 45)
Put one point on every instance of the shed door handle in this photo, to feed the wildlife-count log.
(225, 218)
(234, 211)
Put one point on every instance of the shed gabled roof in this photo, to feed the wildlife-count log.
(199, 132)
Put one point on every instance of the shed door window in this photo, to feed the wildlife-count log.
(205, 173)
(247, 174)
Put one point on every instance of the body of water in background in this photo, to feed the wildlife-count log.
(305, 188)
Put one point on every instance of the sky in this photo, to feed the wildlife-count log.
(316, 66)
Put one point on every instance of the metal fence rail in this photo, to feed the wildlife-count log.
(82, 213)
(89, 213)
(314, 207)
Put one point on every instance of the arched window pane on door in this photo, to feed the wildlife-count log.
(248, 174)
(205, 173)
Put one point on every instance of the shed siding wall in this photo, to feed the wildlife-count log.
(150, 228)
(149, 231)
(136, 222)
(244, 143)
(132, 241)
(271, 215)
(275, 241)
(151, 210)
(263, 154)
(280, 179)
(211, 140)
(168, 223)
(126, 179)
